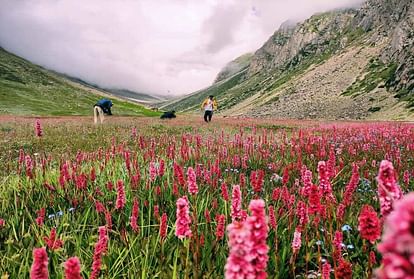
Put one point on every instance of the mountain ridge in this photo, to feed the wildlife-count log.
(375, 81)
(29, 89)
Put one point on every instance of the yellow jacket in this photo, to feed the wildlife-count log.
(205, 103)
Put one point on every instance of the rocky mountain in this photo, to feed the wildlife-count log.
(348, 64)
(239, 64)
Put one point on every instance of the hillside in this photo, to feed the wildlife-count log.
(136, 97)
(27, 89)
(350, 64)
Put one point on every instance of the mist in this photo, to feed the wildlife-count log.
(164, 47)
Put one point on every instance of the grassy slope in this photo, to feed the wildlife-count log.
(27, 89)
(192, 102)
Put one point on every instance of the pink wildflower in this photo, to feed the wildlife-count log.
(236, 203)
(220, 226)
(73, 268)
(52, 242)
(120, 197)
(163, 225)
(38, 128)
(351, 187)
(314, 200)
(272, 218)
(39, 266)
(99, 207)
(239, 261)
(29, 166)
(257, 180)
(324, 183)
(397, 243)
(161, 168)
(182, 225)
(302, 213)
(388, 189)
(326, 270)
(191, 181)
(41, 216)
(134, 216)
(207, 215)
(153, 171)
(100, 250)
(344, 269)
(108, 219)
(224, 192)
(297, 241)
(259, 230)
(307, 182)
(369, 224)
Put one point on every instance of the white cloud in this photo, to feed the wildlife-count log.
(158, 46)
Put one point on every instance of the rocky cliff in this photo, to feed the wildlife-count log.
(349, 64)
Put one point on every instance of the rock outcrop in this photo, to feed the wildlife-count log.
(349, 64)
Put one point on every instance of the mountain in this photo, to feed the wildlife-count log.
(239, 64)
(136, 97)
(348, 64)
(28, 89)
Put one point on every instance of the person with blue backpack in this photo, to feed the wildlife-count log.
(100, 108)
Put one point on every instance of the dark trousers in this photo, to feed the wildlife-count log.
(207, 115)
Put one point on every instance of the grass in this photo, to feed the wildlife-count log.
(374, 74)
(27, 89)
(279, 149)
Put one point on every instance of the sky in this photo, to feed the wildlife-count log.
(164, 47)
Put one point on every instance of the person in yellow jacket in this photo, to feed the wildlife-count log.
(209, 105)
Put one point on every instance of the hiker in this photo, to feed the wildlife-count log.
(209, 105)
(168, 115)
(101, 107)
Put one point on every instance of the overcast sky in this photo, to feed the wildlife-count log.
(169, 47)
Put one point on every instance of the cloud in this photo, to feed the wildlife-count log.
(155, 46)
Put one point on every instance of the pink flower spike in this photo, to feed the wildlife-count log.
(259, 230)
(388, 189)
(38, 128)
(120, 198)
(236, 203)
(73, 268)
(191, 181)
(182, 225)
(239, 261)
(39, 267)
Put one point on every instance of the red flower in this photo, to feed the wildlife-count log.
(224, 192)
(191, 181)
(72, 268)
(344, 269)
(41, 216)
(39, 266)
(272, 218)
(52, 242)
(134, 216)
(120, 198)
(236, 203)
(163, 225)
(259, 232)
(38, 128)
(182, 225)
(220, 226)
(388, 189)
(369, 224)
(100, 249)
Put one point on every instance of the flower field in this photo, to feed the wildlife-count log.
(237, 198)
